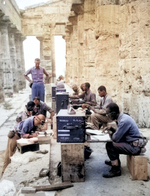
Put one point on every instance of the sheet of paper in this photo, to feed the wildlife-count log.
(95, 132)
(104, 138)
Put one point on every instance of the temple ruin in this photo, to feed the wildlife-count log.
(107, 43)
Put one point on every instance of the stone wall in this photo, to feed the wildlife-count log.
(108, 43)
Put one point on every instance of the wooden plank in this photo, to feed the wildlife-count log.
(72, 161)
(28, 190)
(54, 187)
(138, 167)
(54, 128)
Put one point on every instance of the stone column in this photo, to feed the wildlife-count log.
(5, 58)
(20, 61)
(46, 63)
(41, 47)
(1, 73)
(12, 46)
(45, 54)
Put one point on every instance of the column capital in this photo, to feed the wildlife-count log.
(40, 38)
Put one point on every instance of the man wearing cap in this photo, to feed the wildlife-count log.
(25, 129)
(37, 84)
(27, 113)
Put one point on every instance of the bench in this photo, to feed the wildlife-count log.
(138, 167)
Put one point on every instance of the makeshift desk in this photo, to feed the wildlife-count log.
(97, 136)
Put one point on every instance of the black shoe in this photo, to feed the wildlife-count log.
(115, 171)
(107, 162)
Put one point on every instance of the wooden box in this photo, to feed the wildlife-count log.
(138, 167)
(27, 147)
(72, 162)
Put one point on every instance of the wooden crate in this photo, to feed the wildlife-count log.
(72, 162)
(27, 147)
(138, 167)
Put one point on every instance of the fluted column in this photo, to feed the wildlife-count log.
(22, 60)
(1, 73)
(6, 65)
(12, 47)
(19, 60)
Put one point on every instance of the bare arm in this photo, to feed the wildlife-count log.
(27, 78)
(45, 72)
(26, 75)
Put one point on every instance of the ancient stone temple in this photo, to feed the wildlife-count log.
(11, 50)
(107, 43)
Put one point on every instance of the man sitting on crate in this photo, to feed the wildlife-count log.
(24, 129)
(126, 139)
(42, 108)
(98, 117)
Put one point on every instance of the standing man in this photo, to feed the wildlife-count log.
(99, 118)
(37, 84)
(126, 139)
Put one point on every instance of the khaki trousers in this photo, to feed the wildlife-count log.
(98, 120)
(10, 150)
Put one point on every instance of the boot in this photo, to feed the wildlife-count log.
(108, 162)
(115, 171)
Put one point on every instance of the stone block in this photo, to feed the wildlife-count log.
(138, 167)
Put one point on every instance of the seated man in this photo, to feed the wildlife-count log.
(80, 95)
(25, 129)
(126, 139)
(42, 108)
(75, 89)
(27, 113)
(87, 96)
(99, 118)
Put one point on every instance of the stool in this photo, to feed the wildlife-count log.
(138, 167)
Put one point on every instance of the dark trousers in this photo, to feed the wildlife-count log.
(114, 149)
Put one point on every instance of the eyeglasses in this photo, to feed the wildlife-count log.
(41, 121)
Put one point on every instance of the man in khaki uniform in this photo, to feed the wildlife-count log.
(99, 118)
